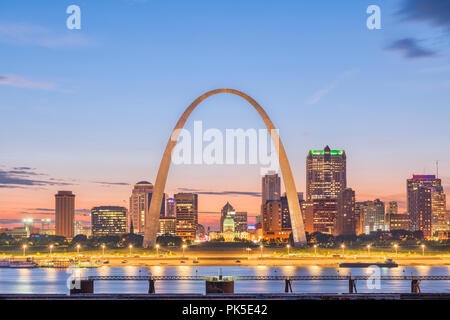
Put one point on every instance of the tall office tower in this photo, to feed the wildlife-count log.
(109, 221)
(438, 211)
(64, 214)
(226, 210)
(170, 212)
(393, 207)
(139, 205)
(140, 199)
(271, 187)
(345, 219)
(419, 189)
(325, 173)
(371, 215)
(285, 215)
(186, 208)
(271, 222)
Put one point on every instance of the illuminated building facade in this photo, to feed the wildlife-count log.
(326, 173)
(64, 214)
(422, 190)
(170, 210)
(372, 216)
(167, 226)
(399, 221)
(438, 211)
(186, 208)
(272, 222)
(108, 221)
(140, 199)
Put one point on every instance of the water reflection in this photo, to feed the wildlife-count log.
(54, 280)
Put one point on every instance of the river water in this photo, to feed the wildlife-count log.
(54, 281)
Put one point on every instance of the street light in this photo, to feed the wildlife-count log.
(103, 250)
(343, 249)
(131, 247)
(261, 246)
(315, 250)
(423, 249)
(288, 247)
(368, 249)
(396, 251)
(24, 249)
(184, 247)
(248, 252)
(157, 250)
(78, 249)
(51, 248)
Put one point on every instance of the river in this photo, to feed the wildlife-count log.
(54, 281)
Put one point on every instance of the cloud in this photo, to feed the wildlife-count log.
(434, 12)
(21, 82)
(25, 178)
(318, 95)
(220, 193)
(410, 48)
(112, 183)
(10, 221)
(27, 34)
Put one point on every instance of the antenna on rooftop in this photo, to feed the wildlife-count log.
(437, 168)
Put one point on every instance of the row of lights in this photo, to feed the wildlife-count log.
(24, 247)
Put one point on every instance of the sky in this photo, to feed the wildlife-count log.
(91, 110)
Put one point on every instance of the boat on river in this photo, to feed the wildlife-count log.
(389, 263)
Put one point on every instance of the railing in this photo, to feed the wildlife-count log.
(270, 278)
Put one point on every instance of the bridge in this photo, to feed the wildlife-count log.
(267, 278)
(224, 284)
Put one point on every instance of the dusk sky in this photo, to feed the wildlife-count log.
(91, 110)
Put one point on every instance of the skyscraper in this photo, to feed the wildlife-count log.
(422, 191)
(345, 219)
(140, 199)
(326, 178)
(64, 214)
(271, 187)
(438, 211)
(109, 220)
(326, 173)
(170, 212)
(186, 207)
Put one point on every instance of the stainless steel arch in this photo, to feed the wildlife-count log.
(152, 218)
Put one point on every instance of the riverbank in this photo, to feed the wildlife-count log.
(239, 260)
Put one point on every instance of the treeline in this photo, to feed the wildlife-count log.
(110, 242)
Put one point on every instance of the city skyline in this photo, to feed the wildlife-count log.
(212, 218)
(71, 124)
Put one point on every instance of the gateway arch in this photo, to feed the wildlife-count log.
(152, 218)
